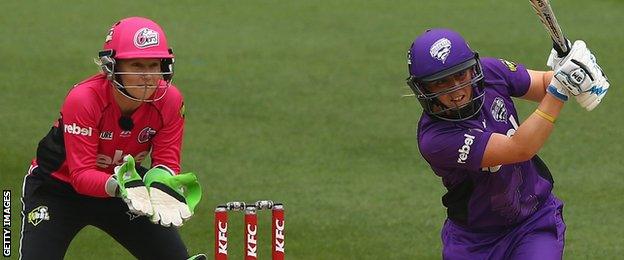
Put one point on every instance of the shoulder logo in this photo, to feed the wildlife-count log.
(77, 130)
(38, 214)
(182, 110)
(145, 37)
(440, 49)
(510, 65)
(146, 134)
(464, 151)
(499, 111)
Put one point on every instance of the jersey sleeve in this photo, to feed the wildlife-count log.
(454, 148)
(80, 116)
(514, 76)
(167, 143)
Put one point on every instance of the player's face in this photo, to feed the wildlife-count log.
(451, 95)
(140, 77)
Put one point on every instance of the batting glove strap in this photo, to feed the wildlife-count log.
(557, 91)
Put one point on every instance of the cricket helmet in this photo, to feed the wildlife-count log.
(136, 38)
(435, 55)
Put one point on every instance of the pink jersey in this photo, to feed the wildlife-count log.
(87, 142)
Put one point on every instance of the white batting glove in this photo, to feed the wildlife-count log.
(580, 74)
(554, 62)
(591, 99)
(558, 90)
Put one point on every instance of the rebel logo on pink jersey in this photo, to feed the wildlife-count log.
(145, 37)
(77, 130)
(146, 134)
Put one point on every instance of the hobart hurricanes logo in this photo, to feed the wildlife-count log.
(499, 111)
(440, 49)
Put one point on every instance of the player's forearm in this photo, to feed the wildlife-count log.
(533, 133)
(539, 82)
(90, 182)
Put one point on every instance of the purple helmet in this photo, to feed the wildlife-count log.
(435, 55)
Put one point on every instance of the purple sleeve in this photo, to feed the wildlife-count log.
(502, 72)
(454, 148)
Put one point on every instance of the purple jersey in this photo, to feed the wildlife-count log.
(485, 198)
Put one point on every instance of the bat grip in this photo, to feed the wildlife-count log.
(559, 49)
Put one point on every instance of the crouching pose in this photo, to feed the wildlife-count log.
(87, 168)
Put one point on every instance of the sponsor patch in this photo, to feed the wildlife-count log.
(440, 49)
(182, 110)
(38, 214)
(145, 37)
(132, 215)
(510, 65)
(146, 134)
(499, 111)
(109, 36)
(106, 135)
(77, 130)
(464, 151)
(125, 133)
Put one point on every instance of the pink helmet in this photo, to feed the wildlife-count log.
(135, 38)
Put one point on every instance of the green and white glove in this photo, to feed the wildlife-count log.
(173, 197)
(130, 188)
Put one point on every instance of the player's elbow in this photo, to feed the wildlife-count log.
(525, 153)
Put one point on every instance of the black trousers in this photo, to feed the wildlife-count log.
(52, 215)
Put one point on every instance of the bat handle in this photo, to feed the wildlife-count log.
(562, 51)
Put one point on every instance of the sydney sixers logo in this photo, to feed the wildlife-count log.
(145, 37)
(146, 134)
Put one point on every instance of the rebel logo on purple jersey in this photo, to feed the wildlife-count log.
(146, 134)
(464, 151)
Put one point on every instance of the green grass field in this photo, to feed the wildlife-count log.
(300, 102)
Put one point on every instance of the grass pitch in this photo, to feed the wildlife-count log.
(299, 101)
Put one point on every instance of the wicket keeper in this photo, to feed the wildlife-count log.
(88, 171)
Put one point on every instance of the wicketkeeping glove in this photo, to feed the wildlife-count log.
(131, 188)
(173, 197)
